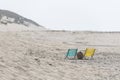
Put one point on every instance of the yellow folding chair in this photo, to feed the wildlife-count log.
(89, 52)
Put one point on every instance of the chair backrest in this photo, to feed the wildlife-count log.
(89, 52)
(72, 52)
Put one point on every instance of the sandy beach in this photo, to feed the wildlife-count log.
(39, 55)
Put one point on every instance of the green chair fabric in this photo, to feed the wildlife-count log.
(71, 53)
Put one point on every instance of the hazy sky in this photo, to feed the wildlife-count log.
(69, 14)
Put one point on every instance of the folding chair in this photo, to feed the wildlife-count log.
(71, 53)
(89, 52)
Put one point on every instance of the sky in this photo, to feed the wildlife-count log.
(91, 15)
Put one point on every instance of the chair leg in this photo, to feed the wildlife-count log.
(92, 58)
(66, 57)
(75, 58)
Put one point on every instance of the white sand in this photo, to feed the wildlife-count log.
(39, 55)
(18, 27)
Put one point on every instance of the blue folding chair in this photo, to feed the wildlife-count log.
(71, 53)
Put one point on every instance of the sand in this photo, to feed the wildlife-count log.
(39, 55)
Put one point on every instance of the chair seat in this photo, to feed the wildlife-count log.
(71, 53)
